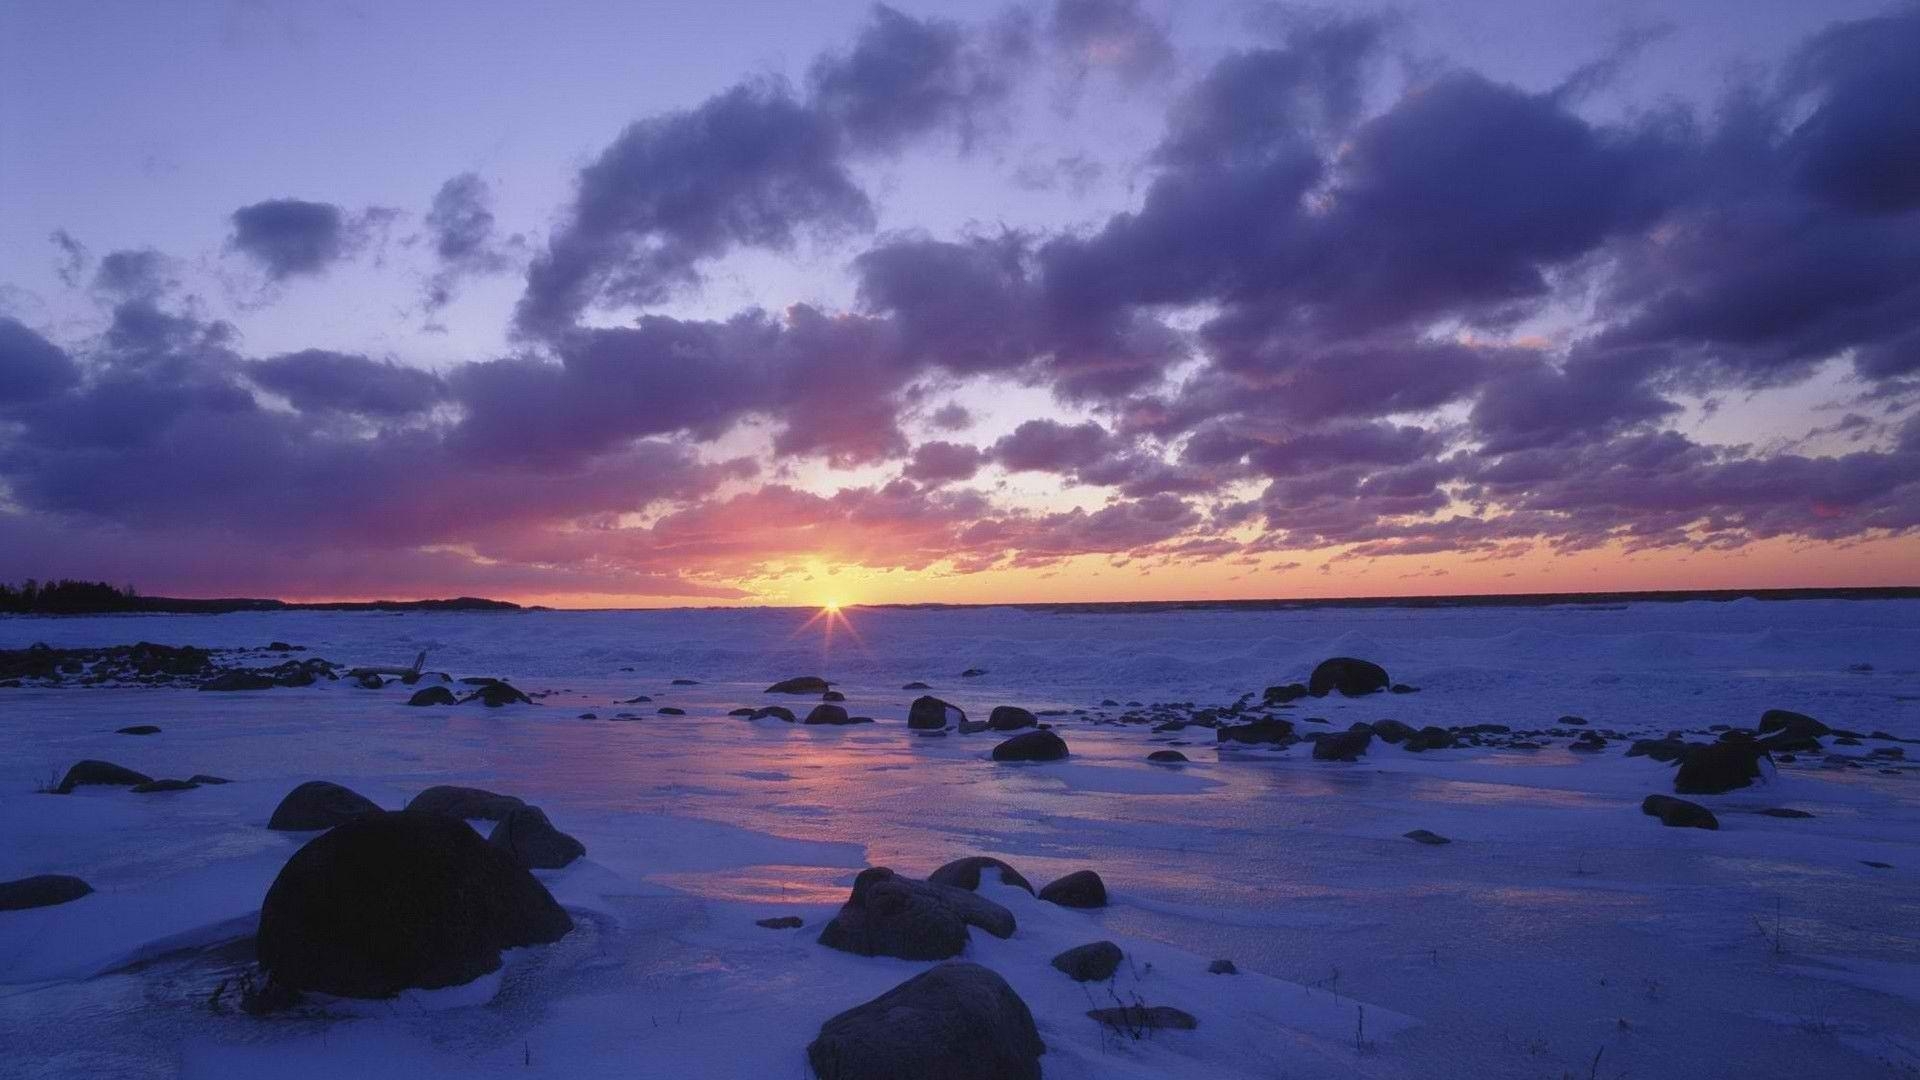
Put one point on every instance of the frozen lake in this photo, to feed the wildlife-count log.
(1559, 923)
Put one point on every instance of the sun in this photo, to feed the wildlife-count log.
(832, 607)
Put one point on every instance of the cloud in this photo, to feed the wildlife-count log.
(1111, 35)
(461, 226)
(941, 462)
(73, 258)
(35, 367)
(290, 237)
(133, 275)
(314, 381)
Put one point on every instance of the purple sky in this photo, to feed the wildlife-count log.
(612, 303)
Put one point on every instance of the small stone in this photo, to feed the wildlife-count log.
(1167, 757)
(1422, 836)
(780, 922)
(1092, 962)
(138, 729)
(1222, 967)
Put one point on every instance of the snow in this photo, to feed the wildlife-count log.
(1559, 921)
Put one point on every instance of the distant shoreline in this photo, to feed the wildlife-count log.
(177, 605)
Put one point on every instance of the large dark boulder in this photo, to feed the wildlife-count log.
(44, 890)
(1275, 732)
(929, 713)
(527, 835)
(104, 773)
(1342, 745)
(1429, 738)
(465, 802)
(495, 694)
(828, 713)
(777, 712)
(965, 873)
(319, 804)
(389, 902)
(1095, 961)
(238, 680)
(889, 915)
(1791, 722)
(957, 1021)
(1678, 813)
(1391, 731)
(1663, 750)
(155, 786)
(1348, 676)
(138, 729)
(1717, 768)
(1284, 693)
(802, 684)
(1032, 746)
(1080, 889)
(1167, 757)
(432, 695)
(1010, 718)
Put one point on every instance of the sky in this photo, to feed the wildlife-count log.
(610, 304)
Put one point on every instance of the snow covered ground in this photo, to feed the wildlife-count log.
(1561, 923)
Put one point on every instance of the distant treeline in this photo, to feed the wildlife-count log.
(68, 597)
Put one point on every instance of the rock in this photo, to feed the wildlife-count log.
(1678, 813)
(827, 713)
(370, 681)
(1792, 722)
(432, 695)
(1281, 695)
(1391, 731)
(387, 902)
(1010, 718)
(777, 712)
(465, 802)
(319, 804)
(1402, 688)
(1717, 768)
(1662, 750)
(526, 834)
(973, 673)
(279, 646)
(686, 682)
(1341, 745)
(1222, 967)
(495, 694)
(1276, 732)
(1588, 742)
(916, 686)
(957, 1021)
(238, 680)
(1131, 1018)
(801, 684)
(1429, 738)
(138, 729)
(780, 922)
(1093, 962)
(203, 779)
(965, 873)
(1031, 746)
(1571, 721)
(671, 710)
(889, 915)
(103, 773)
(833, 695)
(1351, 677)
(1785, 812)
(929, 713)
(1080, 889)
(41, 890)
(1167, 757)
(153, 786)
(1422, 836)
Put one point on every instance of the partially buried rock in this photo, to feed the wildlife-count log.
(1342, 745)
(203, 779)
(103, 773)
(1588, 742)
(1717, 768)
(671, 710)
(929, 713)
(916, 686)
(465, 802)
(1351, 677)
(495, 694)
(1662, 750)
(1080, 889)
(1167, 757)
(889, 915)
(1392, 731)
(432, 695)
(1678, 813)
(1093, 962)
(957, 1021)
(389, 902)
(1031, 746)
(833, 695)
(1791, 722)
(152, 786)
(1222, 967)
(774, 712)
(1132, 1018)
(780, 922)
(965, 873)
(238, 680)
(800, 684)
(1429, 738)
(370, 681)
(319, 804)
(527, 835)
(1785, 812)
(827, 713)
(1010, 718)
(1274, 732)
(1431, 839)
(43, 890)
(973, 673)
(1284, 693)
(138, 729)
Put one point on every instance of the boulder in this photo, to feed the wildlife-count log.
(1678, 813)
(1222, 967)
(929, 713)
(527, 835)
(1341, 745)
(1429, 738)
(1391, 731)
(1423, 836)
(1349, 676)
(973, 673)
(103, 773)
(957, 1021)
(465, 802)
(1010, 718)
(671, 710)
(153, 786)
(389, 902)
(965, 873)
(776, 712)
(827, 713)
(916, 686)
(1275, 732)
(889, 915)
(238, 680)
(203, 779)
(1080, 889)
(369, 680)
(495, 694)
(1588, 742)
(1167, 757)
(1662, 750)
(1717, 768)
(319, 804)
(1284, 693)
(1792, 722)
(800, 684)
(432, 695)
(41, 890)
(1785, 812)
(1031, 746)
(833, 695)
(1095, 961)
(138, 729)
(780, 922)
(1131, 1018)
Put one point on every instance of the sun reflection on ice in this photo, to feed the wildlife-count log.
(830, 617)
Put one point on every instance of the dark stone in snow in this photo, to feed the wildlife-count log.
(744, 710)
(916, 686)
(319, 804)
(780, 922)
(527, 835)
(800, 684)
(1080, 889)
(1403, 688)
(973, 673)
(833, 695)
(1431, 839)
(43, 890)
(957, 1021)
(1663, 750)
(1222, 967)
(495, 694)
(1792, 722)
(1341, 745)
(1277, 732)
(103, 773)
(153, 786)
(238, 680)
(432, 695)
(889, 915)
(1678, 813)
(669, 710)
(1717, 768)
(1031, 746)
(1785, 812)
(279, 646)
(1391, 731)
(1010, 718)
(203, 779)
(1429, 738)
(1280, 695)
(1167, 757)
(370, 681)
(929, 713)
(1572, 721)
(827, 713)
(465, 802)
(138, 729)
(1351, 677)
(1093, 962)
(392, 901)
(1588, 742)
(1137, 1017)
(686, 682)
(778, 712)
(965, 873)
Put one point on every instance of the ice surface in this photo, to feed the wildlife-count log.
(1559, 921)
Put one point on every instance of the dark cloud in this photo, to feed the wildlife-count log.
(461, 226)
(1111, 35)
(132, 275)
(291, 237)
(906, 76)
(1859, 147)
(943, 462)
(34, 366)
(1050, 446)
(73, 258)
(315, 380)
